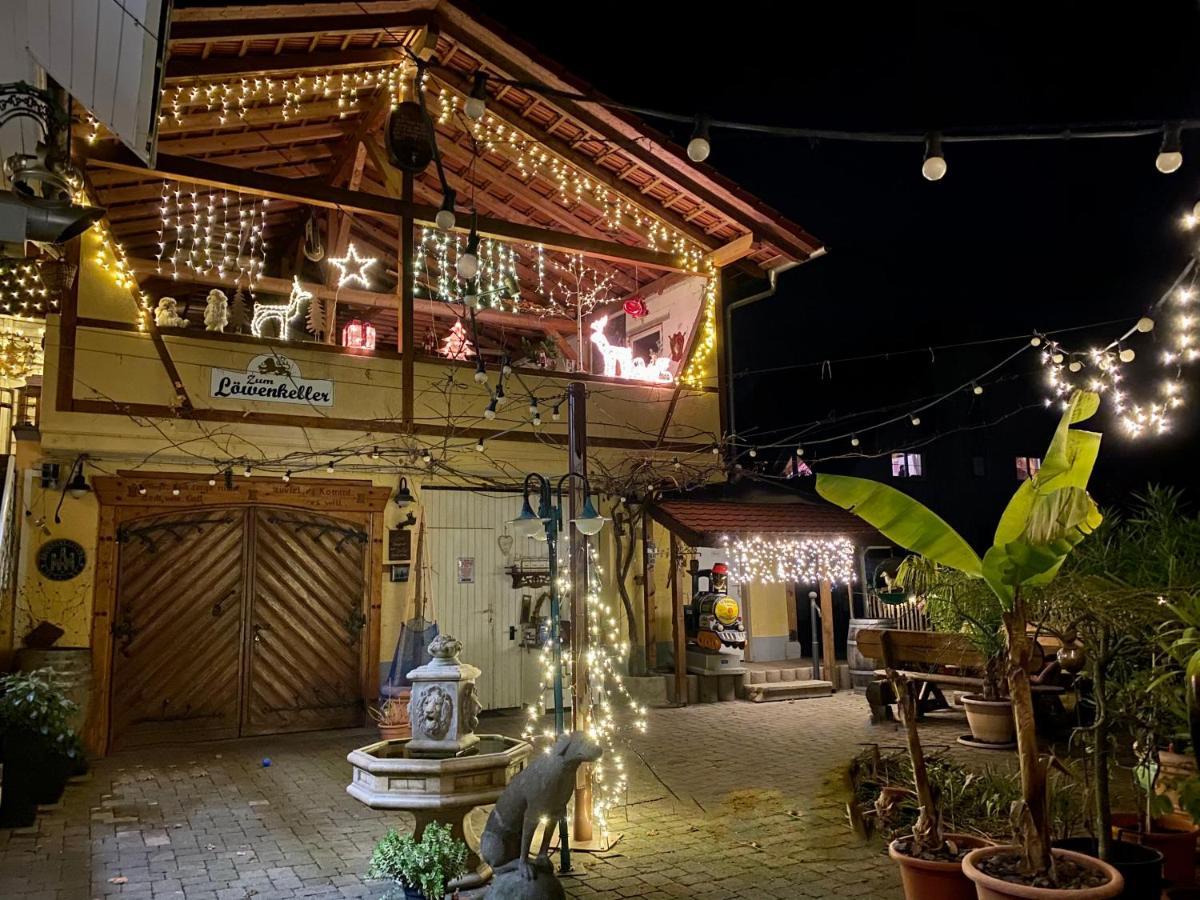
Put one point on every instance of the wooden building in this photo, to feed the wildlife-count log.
(243, 539)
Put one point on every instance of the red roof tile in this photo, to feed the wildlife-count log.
(708, 520)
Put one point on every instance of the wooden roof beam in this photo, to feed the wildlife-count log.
(196, 26)
(305, 191)
(183, 68)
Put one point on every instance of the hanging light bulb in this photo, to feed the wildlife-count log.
(329, 468)
(915, 419)
(537, 420)
(1035, 341)
(554, 412)
(175, 492)
(445, 216)
(476, 104)
(287, 476)
(212, 482)
(374, 453)
(934, 166)
(500, 397)
(427, 457)
(1145, 324)
(490, 412)
(977, 389)
(1075, 366)
(480, 371)
(699, 146)
(1127, 355)
(1170, 154)
(533, 407)
(505, 364)
(142, 490)
(854, 441)
(467, 264)
(799, 451)
(479, 446)
(716, 451)
(753, 453)
(248, 470)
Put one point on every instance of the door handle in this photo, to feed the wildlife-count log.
(258, 629)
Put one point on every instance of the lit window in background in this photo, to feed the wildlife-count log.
(906, 465)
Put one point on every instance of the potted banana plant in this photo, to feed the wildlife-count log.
(1046, 518)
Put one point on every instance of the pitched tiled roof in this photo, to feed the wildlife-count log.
(703, 522)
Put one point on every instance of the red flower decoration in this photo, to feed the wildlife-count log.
(636, 307)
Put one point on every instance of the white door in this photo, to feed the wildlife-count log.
(473, 597)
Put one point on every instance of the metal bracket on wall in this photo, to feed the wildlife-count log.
(177, 529)
(321, 529)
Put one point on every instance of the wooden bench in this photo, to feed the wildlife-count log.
(908, 650)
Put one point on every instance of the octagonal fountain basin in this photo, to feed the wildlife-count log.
(389, 775)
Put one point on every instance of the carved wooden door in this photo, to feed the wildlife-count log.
(177, 631)
(304, 623)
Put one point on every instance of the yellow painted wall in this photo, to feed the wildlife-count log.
(768, 609)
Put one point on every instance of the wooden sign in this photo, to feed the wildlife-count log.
(61, 559)
(399, 545)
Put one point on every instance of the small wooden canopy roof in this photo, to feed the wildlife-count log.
(705, 519)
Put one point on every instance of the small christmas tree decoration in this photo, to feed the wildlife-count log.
(320, 320)
(456, 345)
(238, 313)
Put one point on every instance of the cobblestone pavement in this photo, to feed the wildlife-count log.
(726, 800)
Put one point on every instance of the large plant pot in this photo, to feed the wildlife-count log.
(991, 721)
(1174, 768)
(50, 779)
(1173, 836)
(925, 878)
(989, 888)
(22, 753)
(1139, 865)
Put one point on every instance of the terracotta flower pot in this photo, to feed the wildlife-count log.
(989, 888)
(925, 878)
(991, 721)
(395, 732)
(1173, 836)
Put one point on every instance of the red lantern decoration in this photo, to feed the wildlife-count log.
(359, 335)
(636, 307)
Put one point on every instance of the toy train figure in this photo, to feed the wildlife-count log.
(713, 622)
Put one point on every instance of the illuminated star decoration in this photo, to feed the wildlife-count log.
(265, 312)
(352, 268)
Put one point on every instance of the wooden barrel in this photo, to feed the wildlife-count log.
(72, 668)
(862, 669)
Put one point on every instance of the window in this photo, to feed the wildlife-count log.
(1027, 467)
(906, 465)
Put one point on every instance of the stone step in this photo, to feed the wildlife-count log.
(788, 690)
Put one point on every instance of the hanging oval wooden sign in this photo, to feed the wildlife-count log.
(61, 559)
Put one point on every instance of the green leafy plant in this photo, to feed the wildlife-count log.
(957, 603)
(1046, 518)
(426, 865)
(30, 702)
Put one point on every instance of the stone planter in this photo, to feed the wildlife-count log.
(926, 878)
(1173, 836)
(991, 721)
(989, 888)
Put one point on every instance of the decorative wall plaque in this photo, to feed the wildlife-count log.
(61, 559)
(399, 545)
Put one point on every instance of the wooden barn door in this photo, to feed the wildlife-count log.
(177, 631)
(304, 623)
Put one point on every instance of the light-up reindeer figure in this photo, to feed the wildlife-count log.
(280, 313)
(619, 362)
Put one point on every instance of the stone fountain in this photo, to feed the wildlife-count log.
(445, 770)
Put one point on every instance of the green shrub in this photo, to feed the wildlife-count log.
(426, 865)
(31, 702)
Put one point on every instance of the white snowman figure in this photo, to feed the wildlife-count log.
(216, 313)
(167, 314)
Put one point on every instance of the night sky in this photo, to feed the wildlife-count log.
(1016, 237)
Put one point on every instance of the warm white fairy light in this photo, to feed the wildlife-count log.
(352, 268)
(23, 292)
(1099, 369)
(790, 560)
(608, 707)
(198, 234)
